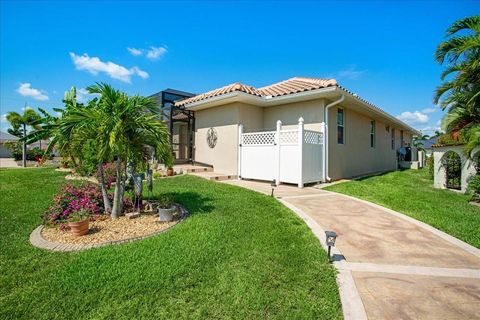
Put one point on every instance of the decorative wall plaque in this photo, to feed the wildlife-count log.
(212, 137)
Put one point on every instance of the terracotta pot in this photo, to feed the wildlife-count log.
(79, 228)
(170, 172)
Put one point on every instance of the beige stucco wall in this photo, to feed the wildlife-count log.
(225, 120)
(356, 157)
(311, 111)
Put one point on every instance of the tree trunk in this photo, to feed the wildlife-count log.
(117, 196)
(138, 188)
(106, 202)
(24, 149)
(124, 181)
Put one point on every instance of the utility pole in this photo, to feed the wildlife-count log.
(24, 149)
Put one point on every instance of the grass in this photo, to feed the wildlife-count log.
(411, 192)
(238, 255)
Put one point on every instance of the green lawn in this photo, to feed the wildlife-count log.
(239, 255)
(411, 192)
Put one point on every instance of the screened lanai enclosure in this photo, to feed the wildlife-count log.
(181, 123)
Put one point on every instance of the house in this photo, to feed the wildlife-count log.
(300, 130)
(5, 138)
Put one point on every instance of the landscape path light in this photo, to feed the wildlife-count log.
(331, 236)
(273, 184)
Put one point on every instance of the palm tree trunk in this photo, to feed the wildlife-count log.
(124, 182)
(106, 202)
(24, 149)
(117, 196)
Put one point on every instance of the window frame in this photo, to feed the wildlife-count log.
(342, 126)
(392, 138)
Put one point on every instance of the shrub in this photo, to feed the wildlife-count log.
(474, 186)
(165, 201)
(34, 154)
(79, 215)
(88, 165)
(73, 198)
(430, 166)
(158, 174)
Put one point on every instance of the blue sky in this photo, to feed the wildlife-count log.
(383, 51)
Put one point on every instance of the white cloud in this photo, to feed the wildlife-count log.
(3, 118)
(95, 66)
(142, 74)
(83, 95)
(155, 53)
(430, 129)
(429, 110)
(415, 117)
(26, 90)
(135, 51)
(350, 73)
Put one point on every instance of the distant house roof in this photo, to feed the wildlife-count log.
(428, 143)
(4, 137)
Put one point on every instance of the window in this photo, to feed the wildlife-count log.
(387, 128)
(372, 134)
(393, 139)
(340, 127)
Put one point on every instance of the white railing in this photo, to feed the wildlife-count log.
(291, 156)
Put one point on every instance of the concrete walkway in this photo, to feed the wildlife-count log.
(390, 266)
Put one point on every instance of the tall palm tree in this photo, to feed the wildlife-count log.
(460, 91)
(29, 118)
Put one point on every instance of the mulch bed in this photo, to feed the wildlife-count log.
(108, 230)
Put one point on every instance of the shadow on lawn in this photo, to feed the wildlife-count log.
(194, 202)
(379, 174)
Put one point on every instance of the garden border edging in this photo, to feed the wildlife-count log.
(37, 240)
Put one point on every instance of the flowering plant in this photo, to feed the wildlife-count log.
(71, 198)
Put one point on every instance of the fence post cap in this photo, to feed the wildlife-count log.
(300, 120)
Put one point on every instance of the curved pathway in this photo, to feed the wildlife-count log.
(390, 266)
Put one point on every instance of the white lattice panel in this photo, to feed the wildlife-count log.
(289, 137)
(259, 138)
(312, 137)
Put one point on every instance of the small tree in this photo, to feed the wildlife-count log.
(29, 118)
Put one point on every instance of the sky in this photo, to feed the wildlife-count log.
(381, 50)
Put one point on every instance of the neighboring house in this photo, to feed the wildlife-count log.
(5, 138)
(255, 132)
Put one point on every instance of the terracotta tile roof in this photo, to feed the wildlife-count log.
(290, 86)
(217, 92)
(296, 85)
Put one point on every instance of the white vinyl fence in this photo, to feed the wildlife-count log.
(290, 156)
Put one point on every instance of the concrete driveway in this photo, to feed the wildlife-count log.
(8, 163)
(390, 266)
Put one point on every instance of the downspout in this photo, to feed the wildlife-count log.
(325, 134)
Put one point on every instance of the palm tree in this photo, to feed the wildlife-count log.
(29, 118)
(127, 128)
(460, 93)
